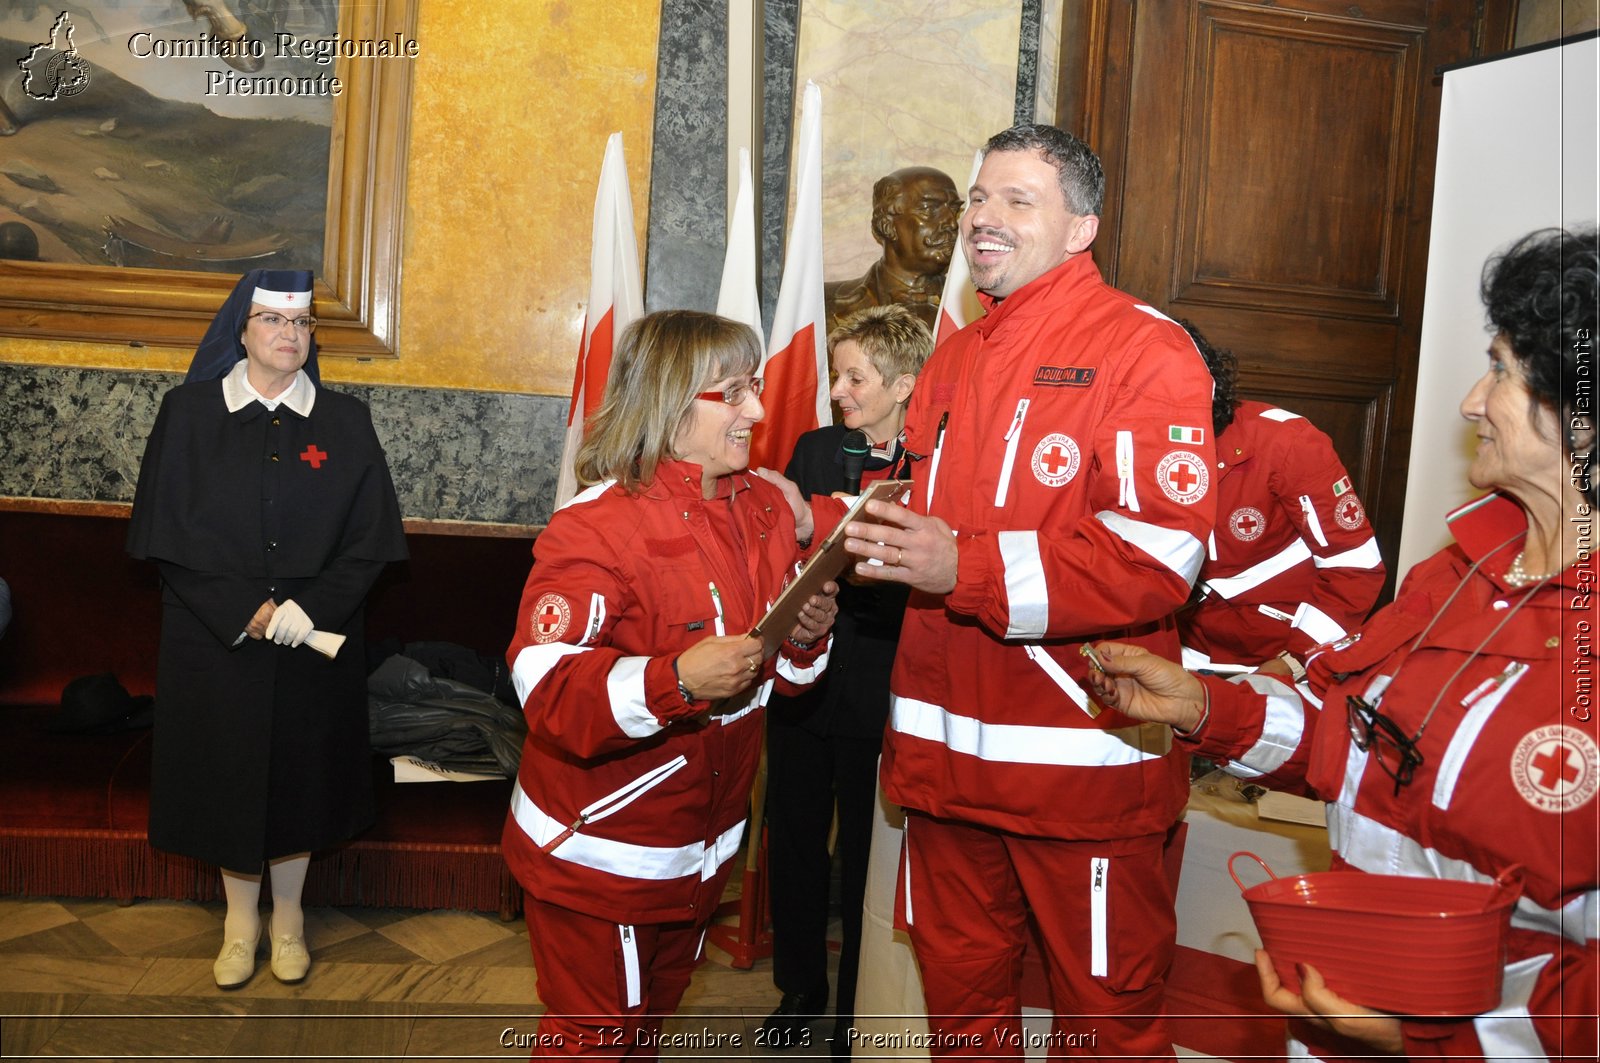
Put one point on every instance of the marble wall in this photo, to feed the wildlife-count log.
(472, 412)
(79, 434)
(907, 82)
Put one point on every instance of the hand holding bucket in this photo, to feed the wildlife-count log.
(1407, 945)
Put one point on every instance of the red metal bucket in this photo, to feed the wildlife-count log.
(1412, 946)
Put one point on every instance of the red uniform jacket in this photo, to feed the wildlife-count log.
(1292, 562)
(1509, 774)
(630, 802)
(1048, 428)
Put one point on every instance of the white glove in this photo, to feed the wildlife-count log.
(289, 625)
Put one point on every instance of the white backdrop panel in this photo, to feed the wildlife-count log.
(1517, 152)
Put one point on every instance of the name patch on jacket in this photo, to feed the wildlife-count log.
(1063, 376)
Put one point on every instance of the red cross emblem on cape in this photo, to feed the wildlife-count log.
(313, 456)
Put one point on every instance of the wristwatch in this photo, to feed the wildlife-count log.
(1296, 669)
(683, 691)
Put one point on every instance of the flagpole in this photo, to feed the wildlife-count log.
(616, 299)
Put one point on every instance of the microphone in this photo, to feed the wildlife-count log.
(856, 448)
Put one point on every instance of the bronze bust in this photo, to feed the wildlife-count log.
(916, 217)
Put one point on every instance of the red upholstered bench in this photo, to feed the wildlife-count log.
(73, 807)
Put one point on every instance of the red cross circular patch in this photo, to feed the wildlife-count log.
(1556, 768)
(551, 615)
(1055, 460)
(1183, 477)
(1348, 512)
(1247, 523)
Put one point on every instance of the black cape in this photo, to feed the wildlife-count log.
(261, 750)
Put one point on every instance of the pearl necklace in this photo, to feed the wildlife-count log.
(1517, 576)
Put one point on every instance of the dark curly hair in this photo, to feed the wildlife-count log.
(1224, 376)
(1540, 294)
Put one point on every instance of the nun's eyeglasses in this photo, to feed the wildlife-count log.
(304, 323)
(735, 393)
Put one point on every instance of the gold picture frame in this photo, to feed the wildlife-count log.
(358, 286)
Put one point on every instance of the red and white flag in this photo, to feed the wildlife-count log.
(958, 303)
(796, 369)
(739, 299)
(616, 299)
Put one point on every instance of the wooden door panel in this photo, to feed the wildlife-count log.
(1277, 220)
(1354, 413)
(1269, 173)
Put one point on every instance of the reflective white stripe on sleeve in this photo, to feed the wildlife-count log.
(1194, 661)
(1211, 545)
(1276, 414)
(1007, 743)
(754, 699)
(1507, 1032)
(803, 676)
(1174, 548)
(1257, 574)
(1312, 520)
(625, 691)
(1321, 627)
(651, 862)
(535, 662)
(1378, 849)
(1367, 555)
(1027, 597)
(1281, 730)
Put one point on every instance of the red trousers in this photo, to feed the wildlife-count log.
(1102, 912)
(606, 987)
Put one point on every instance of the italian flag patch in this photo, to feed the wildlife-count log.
(1341, 487)
(1177, 433)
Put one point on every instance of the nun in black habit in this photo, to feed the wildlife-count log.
(266, 502)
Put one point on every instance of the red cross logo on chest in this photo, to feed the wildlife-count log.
(1054, 460)
(1555, 767)
(314, 456)
(1248, 524)
(1182, 477)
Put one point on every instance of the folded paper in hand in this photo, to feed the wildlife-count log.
(325, 643)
